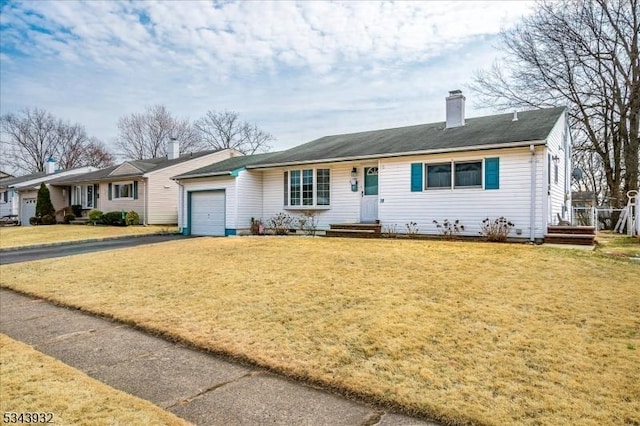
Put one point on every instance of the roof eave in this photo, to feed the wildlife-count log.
(201, 175)
(402, 154)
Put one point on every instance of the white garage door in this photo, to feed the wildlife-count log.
(27, 210)
(207, 213)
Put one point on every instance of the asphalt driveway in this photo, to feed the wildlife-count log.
(71, 248)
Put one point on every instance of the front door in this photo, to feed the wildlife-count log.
(369, 202)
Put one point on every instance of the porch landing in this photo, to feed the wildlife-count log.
(355, 230)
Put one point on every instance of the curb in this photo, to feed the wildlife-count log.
(90, 240)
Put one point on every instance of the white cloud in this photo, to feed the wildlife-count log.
(301, 69)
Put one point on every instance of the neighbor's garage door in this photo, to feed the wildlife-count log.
(207, 213)
(27, 210)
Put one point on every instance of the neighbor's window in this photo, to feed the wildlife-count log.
(438, 176)
(468, 174)
(123, 190)
(308, 187)
(5, 197)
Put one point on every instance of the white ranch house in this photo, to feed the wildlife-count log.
(513, 165)
(18, 195)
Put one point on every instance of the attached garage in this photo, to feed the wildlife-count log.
(27, 210)
(207, 213)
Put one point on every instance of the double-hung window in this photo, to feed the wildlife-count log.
(122, 190)
(307, 187)
(468, 174)
(453, 174)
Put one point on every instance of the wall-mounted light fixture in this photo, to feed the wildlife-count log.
(354, 172)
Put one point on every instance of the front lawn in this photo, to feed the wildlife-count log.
(36, 383)
(17, 236)
(459, 331)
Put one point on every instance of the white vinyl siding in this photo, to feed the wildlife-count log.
(399, 206)
(226, 183)
(162, 201)
(248, 199)
(344, 203)
(557, 191)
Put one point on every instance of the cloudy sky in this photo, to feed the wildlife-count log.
(299, 70)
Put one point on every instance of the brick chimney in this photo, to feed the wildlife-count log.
(455, 109)
(173, 149)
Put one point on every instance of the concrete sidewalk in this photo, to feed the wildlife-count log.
(197, 386)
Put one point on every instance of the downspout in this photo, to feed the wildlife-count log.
(180, 206)
(532, 211)
(144, 200)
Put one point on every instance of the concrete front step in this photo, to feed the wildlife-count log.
(375, 227)
(581, 230)
(353, 233)
(577, 239)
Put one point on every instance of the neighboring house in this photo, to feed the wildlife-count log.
(5, 195)
(143, 186)
(512, 165)
(19, 194)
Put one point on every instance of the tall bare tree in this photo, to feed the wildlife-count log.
(31, 137)
(146, 135)
(220, 130)
(583, 54)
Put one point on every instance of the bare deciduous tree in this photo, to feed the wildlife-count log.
(97, 155)
(583, 54)
(221, 130)
(146, 135)
(33, 136)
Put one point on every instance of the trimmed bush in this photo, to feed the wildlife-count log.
(68, 218)
(76, 209)
(113, 219)
(132, 218)
(34, 220)
(47, 219)
(95, 216)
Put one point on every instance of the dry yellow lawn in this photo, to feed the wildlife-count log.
(620, 245)
(35, 383)
(463, 332)
(16, 236)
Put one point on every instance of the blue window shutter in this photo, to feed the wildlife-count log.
(135, 189)
(110, 191)
(416, 177)
(492, 173)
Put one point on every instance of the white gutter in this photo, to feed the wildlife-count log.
(532, 210)
(403, 154)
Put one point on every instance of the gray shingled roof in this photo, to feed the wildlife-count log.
(12, 181)
(477, 132)
(5, 183)
(145, 166)
(225, 167)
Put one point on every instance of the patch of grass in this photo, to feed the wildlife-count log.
(617, 245)
(17, 236)
(464, 332)
(35, 383)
